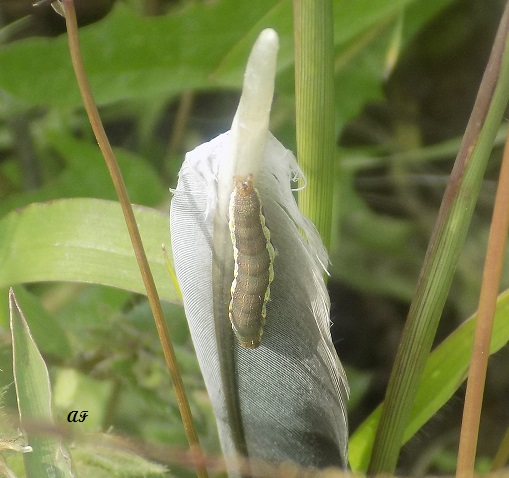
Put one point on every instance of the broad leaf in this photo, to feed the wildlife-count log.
(82, 240)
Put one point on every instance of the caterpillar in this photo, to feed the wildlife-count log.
(253, 258)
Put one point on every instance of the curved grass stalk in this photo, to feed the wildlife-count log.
(442, 254)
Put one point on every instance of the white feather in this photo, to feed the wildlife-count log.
(285, 400)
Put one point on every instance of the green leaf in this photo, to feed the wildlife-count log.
(47, 332)
(82, 240)
(127, 56)
(445, 370)
(49, 456)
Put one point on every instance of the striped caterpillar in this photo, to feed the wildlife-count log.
(253, 256)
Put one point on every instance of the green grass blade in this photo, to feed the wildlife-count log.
(49, 456)
(314, 98)
(442, 255)
(81, 240)
(445, 370)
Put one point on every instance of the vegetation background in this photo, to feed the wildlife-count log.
(166, 75)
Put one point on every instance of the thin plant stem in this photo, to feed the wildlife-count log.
(484, 325)
(148, 280)
(314, 99)
(184, 108)
(442, 255)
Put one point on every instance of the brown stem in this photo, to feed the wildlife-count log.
(148, 280)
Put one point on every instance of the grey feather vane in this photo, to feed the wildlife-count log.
(280, 398)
